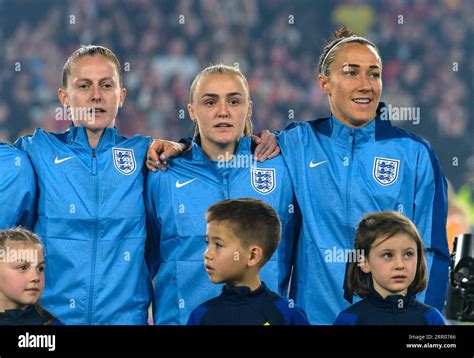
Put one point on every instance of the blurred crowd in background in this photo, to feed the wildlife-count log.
(426, 48)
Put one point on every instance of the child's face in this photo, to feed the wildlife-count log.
(392, 264)
(21, 275)
(225, 258)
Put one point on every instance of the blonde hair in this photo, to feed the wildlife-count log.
(221, 69)
(18, 235)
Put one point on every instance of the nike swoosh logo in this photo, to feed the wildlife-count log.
(313, 165)
(179, 185)
(59, 161)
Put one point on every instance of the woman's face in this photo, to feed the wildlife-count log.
(220, 107)
(354, 85)
(93, 92)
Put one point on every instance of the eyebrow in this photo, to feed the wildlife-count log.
(90, 81)
(404, 249)
(215, 238)
(356, 65)
(214, 95)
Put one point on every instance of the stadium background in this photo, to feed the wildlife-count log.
(426, 48)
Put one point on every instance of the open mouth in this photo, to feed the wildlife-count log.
(362, 101)
(209, 269)
(223, 125)
(97, 110)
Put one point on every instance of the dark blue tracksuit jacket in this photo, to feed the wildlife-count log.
(240, 306)
(393, 310)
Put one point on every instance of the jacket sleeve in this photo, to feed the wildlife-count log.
(430, 215)
(27, 187)
(28, 196)
(153, 223)
(435, 318)
(196, 316)
(23, 143)
(293, 314)
(291, 141)
(299, 317)
(345, 319)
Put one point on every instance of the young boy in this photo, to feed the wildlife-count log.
(242, 235)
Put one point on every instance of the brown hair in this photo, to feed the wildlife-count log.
(90, 50)
(385, 224)
(329, 52)
(221, 69)
(251, 220)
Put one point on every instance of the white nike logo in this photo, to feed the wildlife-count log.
(179, 185)
(59, 161)
(312, 165)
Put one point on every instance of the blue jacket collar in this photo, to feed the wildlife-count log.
(78, 137)
(243, 148)
(29, 316)
(342, 132)
(378, 129)
(241, 292)
(391, 302)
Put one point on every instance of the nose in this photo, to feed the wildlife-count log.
(35, 276)
(96, 94)
(364, 84)
(399, 263)
(223, 110)
(207, 254)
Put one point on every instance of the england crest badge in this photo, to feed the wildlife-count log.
(124, 160)
(385, 170)
(263, 180)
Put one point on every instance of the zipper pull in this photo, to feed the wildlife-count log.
(94, 162)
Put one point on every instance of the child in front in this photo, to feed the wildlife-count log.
(390, 271)
(22, 279)
(242, 235)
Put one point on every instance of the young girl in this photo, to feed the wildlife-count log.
(389, 271)
(22, 279)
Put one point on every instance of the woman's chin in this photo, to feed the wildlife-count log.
(95, 125)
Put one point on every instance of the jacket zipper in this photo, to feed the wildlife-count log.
(349, 181)
(94, 238)
(225, 182)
